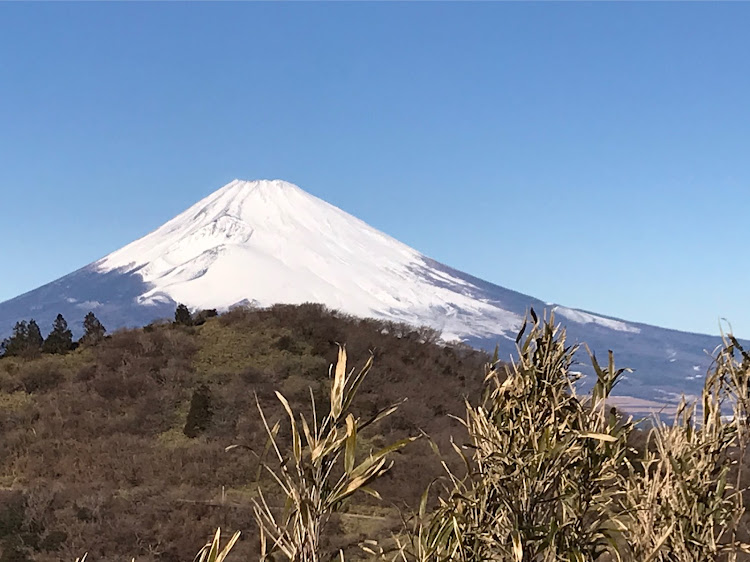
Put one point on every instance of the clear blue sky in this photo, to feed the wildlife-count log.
(595, 155)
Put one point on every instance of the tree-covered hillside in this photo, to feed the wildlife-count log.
(118, 447)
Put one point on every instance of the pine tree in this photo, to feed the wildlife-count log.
(60, 339)
(16, 343)
(182, 315)
(34, 339)
(93, 330)
(199, 415)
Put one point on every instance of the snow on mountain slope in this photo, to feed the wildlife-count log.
(588, 318)
(270, 241)
(267, 242)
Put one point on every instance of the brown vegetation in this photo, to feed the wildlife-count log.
(94, 455)
(151, 438)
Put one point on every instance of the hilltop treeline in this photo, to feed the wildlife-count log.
(27, 340)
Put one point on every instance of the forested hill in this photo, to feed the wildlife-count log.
(118, 447)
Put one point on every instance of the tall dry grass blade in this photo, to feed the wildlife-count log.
(339, 381)
(321, 472)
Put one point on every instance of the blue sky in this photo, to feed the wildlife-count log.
(594, 155)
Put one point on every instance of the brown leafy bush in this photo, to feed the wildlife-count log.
(40, 379)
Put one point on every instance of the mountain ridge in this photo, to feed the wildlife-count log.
(269, 241)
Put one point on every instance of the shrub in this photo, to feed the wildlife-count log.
(200, 316)
(40, 378)
(114, 386)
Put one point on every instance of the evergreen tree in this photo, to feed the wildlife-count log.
(60, 339)
(34, 339)
(199, 415)
(93, 330)
(16, 343)
(182, 315)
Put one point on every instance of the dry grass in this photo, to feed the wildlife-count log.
(321, 471)
(550, 476)
(538, 474)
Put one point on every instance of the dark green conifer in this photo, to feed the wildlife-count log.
(182, 315)
(60, 339)
(199, 415)
(34, 339)
(93, 330)
(17, 342)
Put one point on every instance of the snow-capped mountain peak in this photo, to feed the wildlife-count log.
(270, 241)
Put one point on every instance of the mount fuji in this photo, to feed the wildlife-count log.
(266, 242)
